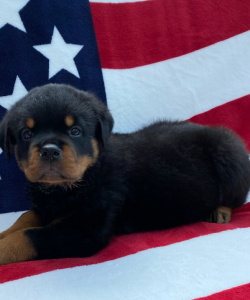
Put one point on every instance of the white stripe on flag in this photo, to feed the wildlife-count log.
(179, 88)
(185, 270)
(7, 219)
(248, 198)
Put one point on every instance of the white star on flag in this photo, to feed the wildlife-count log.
(19, 91)
(9, 13)
(60, 54)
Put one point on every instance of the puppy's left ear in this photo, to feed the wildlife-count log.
(6, 139)
(104, 117)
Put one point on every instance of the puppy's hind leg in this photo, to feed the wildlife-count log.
(222, 214)
(231, 161)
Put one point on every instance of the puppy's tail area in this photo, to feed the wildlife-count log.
(232, 163)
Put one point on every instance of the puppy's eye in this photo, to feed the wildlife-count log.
(26, 134)
(75, 131)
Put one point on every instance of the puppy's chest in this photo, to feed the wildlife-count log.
(56, 203)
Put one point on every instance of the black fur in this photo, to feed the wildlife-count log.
(164, 175)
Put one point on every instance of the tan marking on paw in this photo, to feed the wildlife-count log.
(16, 247)
(26, 220)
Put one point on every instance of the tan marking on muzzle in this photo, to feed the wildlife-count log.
(95, 149)
(76, 166)
(19, 162)
(31, 167)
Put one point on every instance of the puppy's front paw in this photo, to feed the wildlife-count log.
(3, 235)
(16, 247)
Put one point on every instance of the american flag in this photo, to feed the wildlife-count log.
(148, 60)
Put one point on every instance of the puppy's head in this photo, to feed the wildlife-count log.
(57, 132)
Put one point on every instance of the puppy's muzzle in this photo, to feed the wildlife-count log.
(50, 153)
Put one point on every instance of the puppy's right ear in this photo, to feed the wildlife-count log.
(5, 138)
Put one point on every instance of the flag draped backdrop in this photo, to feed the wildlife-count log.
(147, 60)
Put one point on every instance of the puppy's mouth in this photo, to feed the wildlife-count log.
(53, 176)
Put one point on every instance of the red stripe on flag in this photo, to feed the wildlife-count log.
(128, 244)
(140, 33)
(237, 293)
(234, 115)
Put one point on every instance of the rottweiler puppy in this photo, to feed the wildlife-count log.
(88, 184)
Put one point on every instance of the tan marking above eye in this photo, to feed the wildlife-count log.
(69, 120)
(30, 123)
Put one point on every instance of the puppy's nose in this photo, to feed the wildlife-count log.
(50, 152)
